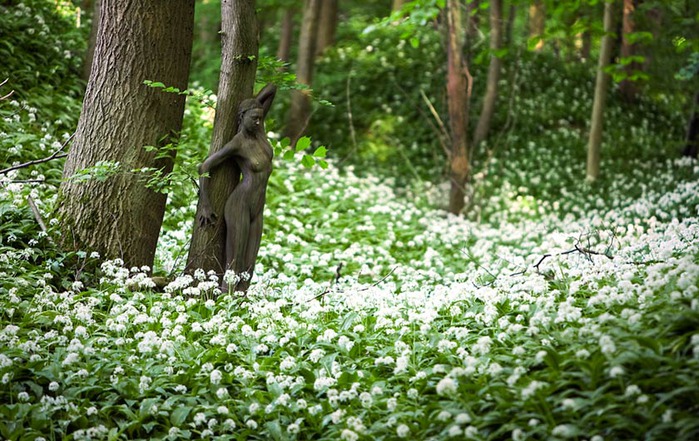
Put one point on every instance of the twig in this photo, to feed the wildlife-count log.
(54, 155)
(359, 290)
(442, 127)
(9, 94)
(37, 214)
(350, 119)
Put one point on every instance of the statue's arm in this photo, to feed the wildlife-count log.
(206, 214)
(266, 96)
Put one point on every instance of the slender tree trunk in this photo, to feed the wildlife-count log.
(585, 44)
(509, 28)
(601, 86)
(92, 39)
(287, 35)
(239, 50)
(491, 91)
(627, 87)
(327, 25)
(471, 35)
(398, 4)
(118, 216)
(537, 22)
(458, 92)
(691, 147)
(300, 109)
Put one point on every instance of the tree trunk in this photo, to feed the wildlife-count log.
(691, 147)
(458, 92)
(602, 83)
(491, 91)
(627, 87)
(537, 23)
(286, 36)
(137, 40)
(239, 52)
(398, 4)
(92, 39)
(300, 109)
(327, 26)
(509, 28)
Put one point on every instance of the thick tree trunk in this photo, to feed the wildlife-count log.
(457, 102)
(92, 39)
(286, 36)
(627, 87)
(601, 86)
(137, 40)
(537, 22)
(491, 91)
(300, 109)
(239, 50)
(327, 26)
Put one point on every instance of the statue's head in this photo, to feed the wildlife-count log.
(250, 115)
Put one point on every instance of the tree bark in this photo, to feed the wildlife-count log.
(458, 92)
(601, 86)
(239, 52)
(398, 4)
(691, 147)
(327, 25)
(509, 28)
(92, 39)
(627, 87)
(491, 91)
(137, 40)
(300, 109)
(537, 23)
(286, 36)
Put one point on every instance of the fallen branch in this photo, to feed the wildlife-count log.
(54, 155)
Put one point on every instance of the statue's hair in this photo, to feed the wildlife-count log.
(246, 105)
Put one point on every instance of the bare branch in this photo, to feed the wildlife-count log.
(54, 155)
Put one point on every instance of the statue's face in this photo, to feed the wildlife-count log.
(252, 119)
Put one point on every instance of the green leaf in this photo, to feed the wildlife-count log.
(320, 152)
(288, 155)
(179, 415)
(157, 84)
(323, 164)
(285, 142)
(308, 161)
(303, 143)
(415, 42)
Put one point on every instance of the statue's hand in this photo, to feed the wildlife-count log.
(206, 217)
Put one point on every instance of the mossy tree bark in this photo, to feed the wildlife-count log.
(491, 90)
(239, 52)
(137, 40)
(601, 86)
(457, 102)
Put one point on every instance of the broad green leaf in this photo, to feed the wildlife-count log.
(288, 155)
(179, 415)
(303, 143)
(320, 152)
(308, 161)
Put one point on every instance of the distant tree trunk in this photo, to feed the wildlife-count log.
(691, 147)
(458, 93)
(537, 22)
(491, 91)
(398, 4)
(300, 109)
(509, 28)
(627, 87)
(327, 25)
(601, 86)
(118, 216)
(286, 36)
(585, 44)
(94, 6)
(239, 52)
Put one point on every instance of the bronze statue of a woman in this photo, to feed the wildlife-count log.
(253, 153)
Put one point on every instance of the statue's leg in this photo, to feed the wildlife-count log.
(237, 217)
(251, 250)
